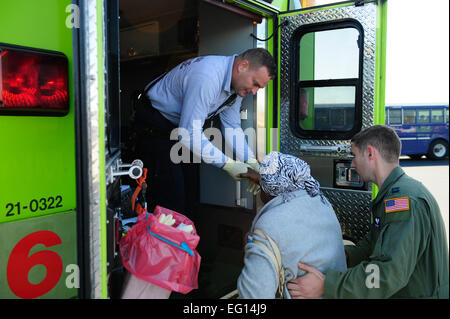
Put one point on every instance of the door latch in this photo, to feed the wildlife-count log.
(135, 170)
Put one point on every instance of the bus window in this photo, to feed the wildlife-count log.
(409, 116)
(395, 116)
(326, 98)
(446, 116)
(330, 115)
(423, 116)
(437, 116)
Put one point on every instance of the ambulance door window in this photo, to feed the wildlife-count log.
(327, 84)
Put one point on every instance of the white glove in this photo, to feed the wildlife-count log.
(253, 162)
(234, 168)
(166, 220)
(252, 186)
(186, 228)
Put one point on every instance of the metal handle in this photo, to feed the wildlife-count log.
(135, 170)
(317, 148)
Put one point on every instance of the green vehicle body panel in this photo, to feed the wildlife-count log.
(13, 236)
(37, 162)
(38, 152)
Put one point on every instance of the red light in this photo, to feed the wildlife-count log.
(33, 81)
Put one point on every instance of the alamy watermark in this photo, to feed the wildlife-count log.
(196, 140)
(373, 277)
(73, 278)
(73, 18)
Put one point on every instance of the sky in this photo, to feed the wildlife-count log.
(417, 59)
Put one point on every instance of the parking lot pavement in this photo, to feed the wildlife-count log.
(435, 176)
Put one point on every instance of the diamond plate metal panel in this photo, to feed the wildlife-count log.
(352, 209)
(366, 15)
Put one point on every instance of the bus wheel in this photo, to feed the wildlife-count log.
(438, 150)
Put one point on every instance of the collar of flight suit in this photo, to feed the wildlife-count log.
(390, 180)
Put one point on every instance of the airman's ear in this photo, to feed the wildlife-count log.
(371, 151)
(243, 65)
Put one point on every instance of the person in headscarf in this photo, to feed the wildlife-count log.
(298, 218)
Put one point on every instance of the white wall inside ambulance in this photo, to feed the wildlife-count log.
(224, 33)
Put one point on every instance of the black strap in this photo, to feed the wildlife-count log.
(153, 83)
(228, 102)
(163, 133)
(154, 131)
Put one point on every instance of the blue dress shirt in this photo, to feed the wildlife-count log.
(193, 91)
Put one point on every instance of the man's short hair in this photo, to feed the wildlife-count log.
(260, 57)
(383, 138)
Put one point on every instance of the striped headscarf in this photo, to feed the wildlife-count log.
(281, 174)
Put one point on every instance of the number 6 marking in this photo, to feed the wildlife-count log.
(19, 265)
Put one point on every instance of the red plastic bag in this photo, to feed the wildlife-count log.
(147, 254)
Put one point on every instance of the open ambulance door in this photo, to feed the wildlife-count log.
(330, 88)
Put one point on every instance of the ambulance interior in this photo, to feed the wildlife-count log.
(155, 36)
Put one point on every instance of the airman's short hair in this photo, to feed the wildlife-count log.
(260, 57)
(383, 138)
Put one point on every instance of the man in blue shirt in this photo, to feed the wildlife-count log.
(194, 91)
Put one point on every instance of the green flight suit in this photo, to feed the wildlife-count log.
(404, 255)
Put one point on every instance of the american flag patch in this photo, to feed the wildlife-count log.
(396, 204)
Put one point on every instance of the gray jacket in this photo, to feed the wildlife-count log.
(305, 230)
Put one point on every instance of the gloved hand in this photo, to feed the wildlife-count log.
(252, 186)
(186, 228)
(234, 168)
(253, 162)
(166, 219)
